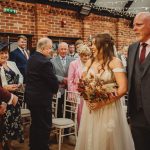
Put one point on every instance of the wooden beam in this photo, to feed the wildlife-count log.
(127, 5)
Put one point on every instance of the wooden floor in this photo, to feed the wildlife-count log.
(68, 144)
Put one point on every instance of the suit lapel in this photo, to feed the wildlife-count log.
(60, 64)
(146, 64)
(131, 60)
(67, 62)
(21, 54)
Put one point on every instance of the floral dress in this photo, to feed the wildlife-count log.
(11, 123)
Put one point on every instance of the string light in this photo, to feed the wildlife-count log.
(114, 9)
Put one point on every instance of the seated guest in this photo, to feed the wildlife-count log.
(5, 98)
(76, 69)
(11, 80)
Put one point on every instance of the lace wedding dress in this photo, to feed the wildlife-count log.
(105, 128)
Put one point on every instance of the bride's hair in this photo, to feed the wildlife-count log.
(105, 46)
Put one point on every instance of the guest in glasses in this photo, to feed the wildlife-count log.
(72, 51)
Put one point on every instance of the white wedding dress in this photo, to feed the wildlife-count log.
(105, 128)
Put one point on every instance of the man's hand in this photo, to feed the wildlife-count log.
(14, 100)
(65, 81)
(3, 107)
(11, 87)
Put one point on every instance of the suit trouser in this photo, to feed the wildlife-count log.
(140, 129)
(41, 121)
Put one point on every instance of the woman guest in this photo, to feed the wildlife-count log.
(103, 124)
(11, 80)
(75, 71)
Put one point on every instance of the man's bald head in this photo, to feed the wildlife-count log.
(142, 26)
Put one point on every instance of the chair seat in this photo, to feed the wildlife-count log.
(25, 112)
(62, 121)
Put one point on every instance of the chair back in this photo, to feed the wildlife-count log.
(54, 105)
(71, 101)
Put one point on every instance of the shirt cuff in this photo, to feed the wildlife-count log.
(10, 101)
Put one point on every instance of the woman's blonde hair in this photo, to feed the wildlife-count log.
(84, 49)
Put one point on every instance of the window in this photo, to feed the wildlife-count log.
(12, 39)
(57, 40)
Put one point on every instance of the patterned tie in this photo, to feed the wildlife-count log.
(143, 52)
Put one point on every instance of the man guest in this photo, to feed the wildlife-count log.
(41, 84)
(20, 55)
(61, 65)
(139, 82)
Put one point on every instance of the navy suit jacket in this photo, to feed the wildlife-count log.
(41, 82)
(21, 61)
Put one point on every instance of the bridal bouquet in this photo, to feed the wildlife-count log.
(94, 89)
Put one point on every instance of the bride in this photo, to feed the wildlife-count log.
(104, 126)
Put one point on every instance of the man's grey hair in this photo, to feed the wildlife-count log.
(62, 43)
(42, 43)
(145, 15)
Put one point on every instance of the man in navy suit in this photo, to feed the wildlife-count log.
(41, 84)
(20, 55)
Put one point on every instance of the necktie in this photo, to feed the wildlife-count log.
(25, 54)
(63, 60)
(143, 52)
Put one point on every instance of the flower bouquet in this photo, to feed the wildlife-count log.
(93, 89)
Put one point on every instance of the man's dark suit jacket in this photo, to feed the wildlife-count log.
(19, 58)
(41, 81)
(4, 95)
(145, 82)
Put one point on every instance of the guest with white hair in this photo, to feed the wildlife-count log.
(61, 65)
(76, 69)
(41, 83)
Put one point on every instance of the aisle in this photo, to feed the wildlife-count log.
(69, 143)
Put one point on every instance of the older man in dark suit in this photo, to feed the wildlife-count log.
(41, 84)
(139, 82)
(20, 55)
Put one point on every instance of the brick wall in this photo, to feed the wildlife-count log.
(43, 20)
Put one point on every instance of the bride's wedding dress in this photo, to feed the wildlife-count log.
(105, 128)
